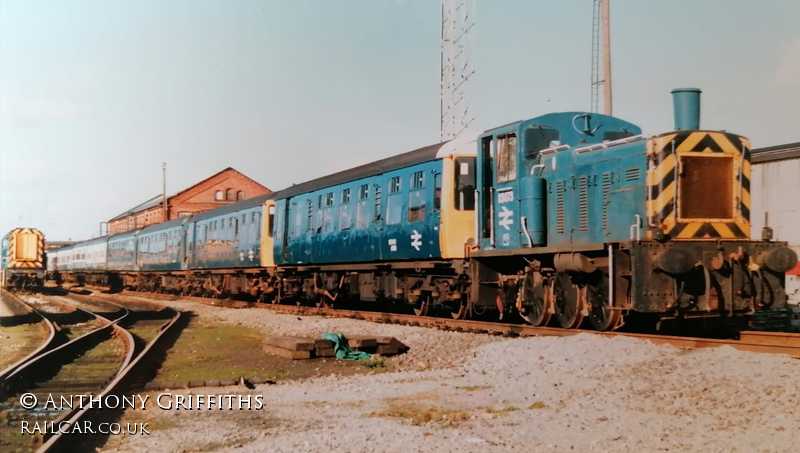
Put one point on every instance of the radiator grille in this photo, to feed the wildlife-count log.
(583, 203)
(560, 189)
(605, 186)
(632, 174)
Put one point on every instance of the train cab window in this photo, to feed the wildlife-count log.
(437, 191)
(271, 221)
(538, 138)
(506, 158)
(465, 184)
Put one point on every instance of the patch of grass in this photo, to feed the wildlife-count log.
(537, 405)
(207, 351)
(422, 413)
(18, 341)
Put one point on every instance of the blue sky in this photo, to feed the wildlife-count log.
(94, 95)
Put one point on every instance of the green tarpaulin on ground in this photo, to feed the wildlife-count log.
(343, 352)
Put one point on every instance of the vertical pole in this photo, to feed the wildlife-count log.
(441, 80)
(605, 20)
(164, 190)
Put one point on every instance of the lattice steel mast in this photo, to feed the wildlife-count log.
(456, 67)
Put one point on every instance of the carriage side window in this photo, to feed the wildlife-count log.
(394, 202)
(346, 196)
(465, 184)
(327, 213)
(310, 215)
(378, 203)
(416, 206)
(394, 184)
(507, 158)
(362, 207)
(417, 180)
(538, 138)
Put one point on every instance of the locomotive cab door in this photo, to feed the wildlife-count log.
(505, 201)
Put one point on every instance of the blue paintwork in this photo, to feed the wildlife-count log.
(520, 197)
(161, 247)
(228, 237)
(322, 227)
(122, 251)
(686, 108)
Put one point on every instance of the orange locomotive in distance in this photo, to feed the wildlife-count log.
(22, 259)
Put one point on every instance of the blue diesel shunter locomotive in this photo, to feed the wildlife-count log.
(580, 216)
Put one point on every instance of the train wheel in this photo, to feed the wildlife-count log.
(601, 316)
(459, 310)
(422, 305)
(533, 304)
(568, 301)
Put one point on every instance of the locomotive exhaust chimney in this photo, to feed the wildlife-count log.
(686, 108)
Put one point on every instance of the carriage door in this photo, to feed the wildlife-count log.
(506, 204)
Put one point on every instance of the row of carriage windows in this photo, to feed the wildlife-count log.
(319, 215)
(234, 223)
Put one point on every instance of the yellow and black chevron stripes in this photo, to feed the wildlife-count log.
(663, 184)
(25, 248)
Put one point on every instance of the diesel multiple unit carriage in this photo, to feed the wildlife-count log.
(562, 217)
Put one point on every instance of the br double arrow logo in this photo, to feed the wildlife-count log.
(416, 240)
(506, 217)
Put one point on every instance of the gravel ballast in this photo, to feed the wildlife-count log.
(469, 392)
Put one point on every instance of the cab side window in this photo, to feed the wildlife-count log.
(506, 158)
(538, 138)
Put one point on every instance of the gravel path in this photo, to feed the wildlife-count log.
(534, 394)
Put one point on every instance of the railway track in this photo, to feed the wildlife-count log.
(98, 363)
(47, 326)
(754, 341)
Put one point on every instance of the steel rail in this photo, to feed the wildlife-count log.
(61, 439)
(47, 344)
(754, 341)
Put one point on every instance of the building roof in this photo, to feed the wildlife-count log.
(217, 174)
(775, 153)
(149, 203)
(156, 200)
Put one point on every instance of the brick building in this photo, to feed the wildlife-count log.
(224, 187)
